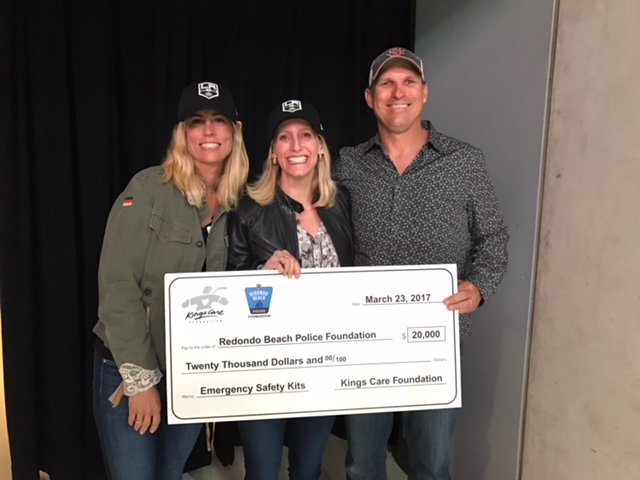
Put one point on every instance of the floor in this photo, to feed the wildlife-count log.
(332, 466)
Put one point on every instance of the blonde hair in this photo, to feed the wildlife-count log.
(178, 167)
(263, 190)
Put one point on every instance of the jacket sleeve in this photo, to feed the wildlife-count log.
(240, 256)
(122, 308)
(251, 236)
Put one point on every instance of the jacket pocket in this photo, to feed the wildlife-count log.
(168, 231)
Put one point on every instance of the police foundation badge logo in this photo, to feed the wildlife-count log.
(209, 305)
(259, 299)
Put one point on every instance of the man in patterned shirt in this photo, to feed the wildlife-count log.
(418, 197)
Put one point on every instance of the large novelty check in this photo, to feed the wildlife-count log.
(254, 344)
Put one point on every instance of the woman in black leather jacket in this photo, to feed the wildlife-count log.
(294, 217)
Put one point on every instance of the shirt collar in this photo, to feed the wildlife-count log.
(436, 139)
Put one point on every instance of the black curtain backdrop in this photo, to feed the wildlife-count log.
(88, 97)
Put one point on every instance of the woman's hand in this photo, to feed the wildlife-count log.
(283, 262)
(144, 411)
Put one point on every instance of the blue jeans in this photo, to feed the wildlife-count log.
(262, 442)
(426, 432)
(127, 454)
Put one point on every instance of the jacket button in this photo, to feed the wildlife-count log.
(147, 291)
(199, 243)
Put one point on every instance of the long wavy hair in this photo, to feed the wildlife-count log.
(179, 168)
(263, 190)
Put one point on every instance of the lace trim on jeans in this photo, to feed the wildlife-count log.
(136, 379)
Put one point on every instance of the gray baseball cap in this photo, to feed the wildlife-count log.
(395, 53)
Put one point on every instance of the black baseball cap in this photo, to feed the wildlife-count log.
(395, 53)
(206, 95)
(294, 109)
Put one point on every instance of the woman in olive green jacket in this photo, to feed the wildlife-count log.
(170, 218)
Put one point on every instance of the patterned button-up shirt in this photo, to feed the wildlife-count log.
(442, 209)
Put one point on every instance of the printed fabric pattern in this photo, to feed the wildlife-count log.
(317, 252)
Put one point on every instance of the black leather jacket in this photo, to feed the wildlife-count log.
(255, 232)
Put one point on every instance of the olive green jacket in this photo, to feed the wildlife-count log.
(151, 230)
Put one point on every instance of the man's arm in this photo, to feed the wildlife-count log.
(489, 236)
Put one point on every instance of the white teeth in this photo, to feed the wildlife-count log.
(301, 159)
(404, 105)
(209, 145)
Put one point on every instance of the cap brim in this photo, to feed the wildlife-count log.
(395, 62)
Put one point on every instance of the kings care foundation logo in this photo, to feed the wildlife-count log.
(210, 305)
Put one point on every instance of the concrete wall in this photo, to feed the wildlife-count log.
(583, 405)
(487, 64)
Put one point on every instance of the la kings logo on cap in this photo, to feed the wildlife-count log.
(208, 90)
(291, 106)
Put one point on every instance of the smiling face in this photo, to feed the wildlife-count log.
(397, 99)
(296, 147)
(209, 138)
